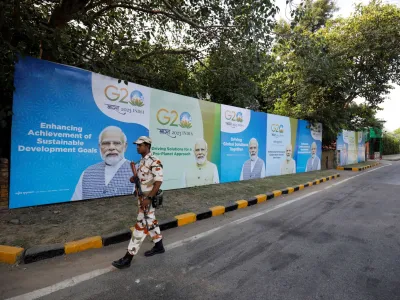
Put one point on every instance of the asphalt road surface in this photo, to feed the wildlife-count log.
(338, 240)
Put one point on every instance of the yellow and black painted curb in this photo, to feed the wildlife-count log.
(10, 255)
(357, 169)
(13, 255)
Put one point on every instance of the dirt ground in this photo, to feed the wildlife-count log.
(59, 223)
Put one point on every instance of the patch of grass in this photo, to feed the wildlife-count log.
(20, 242)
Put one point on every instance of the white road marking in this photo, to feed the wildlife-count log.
(63, 284)
(90, 275)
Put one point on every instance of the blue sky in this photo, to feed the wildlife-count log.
(391, 106)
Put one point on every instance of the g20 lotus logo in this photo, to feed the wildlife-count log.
(166, 117)
(137, 98)
(277, 128)
(116, 94)
(185, 120)
(231, 115)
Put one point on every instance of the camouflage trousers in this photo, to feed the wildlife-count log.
(140, 232)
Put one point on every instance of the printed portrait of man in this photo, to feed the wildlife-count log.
(201, 171)
(255, 166)
(110, 177)
(314, 162)
(288, 165)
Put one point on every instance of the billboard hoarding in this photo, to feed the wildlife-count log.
(243, 144)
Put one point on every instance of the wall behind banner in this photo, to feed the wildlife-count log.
(60, 111)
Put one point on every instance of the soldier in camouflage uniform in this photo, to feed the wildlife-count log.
(150, 173)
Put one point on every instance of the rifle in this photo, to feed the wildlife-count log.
(139, 192)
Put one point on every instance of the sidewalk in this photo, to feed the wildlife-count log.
(394, 157)
(60, 223)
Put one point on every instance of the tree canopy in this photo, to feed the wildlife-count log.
(320, 65)
(157, 43)
(396, 133)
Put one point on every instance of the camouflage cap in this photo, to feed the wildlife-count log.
(143, 139)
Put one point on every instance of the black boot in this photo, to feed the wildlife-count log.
(157, 249)
(124, 262)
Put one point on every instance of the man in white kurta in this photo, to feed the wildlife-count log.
(201, 172)
(288, 165)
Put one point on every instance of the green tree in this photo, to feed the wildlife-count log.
(155, 43)
(320, 67)
(397, 133)
(230, 76)
(313, 15)
(391, 144)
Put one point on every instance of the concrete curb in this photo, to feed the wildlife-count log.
(84, 244)
(10, 255)
(37, 253)
(116, 237)
(357, 169)
(13, 255)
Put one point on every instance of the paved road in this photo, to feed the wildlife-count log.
(328, 242)
(394, 157)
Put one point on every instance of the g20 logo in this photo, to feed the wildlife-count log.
(114, 93)
(231, 115)
(166, 117)
(278, 128)
(137, 98)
